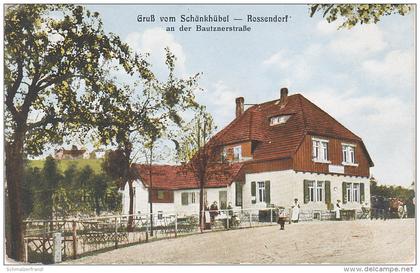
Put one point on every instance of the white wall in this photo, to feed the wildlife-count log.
(287, 185)
(141, 200)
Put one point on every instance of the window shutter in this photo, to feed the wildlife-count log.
(327, 192)
(253, 192)
(238, 192)
(344, 188)
(184, 198)
(326, 157)
(305, 191)
(362, 193)
(267, 192)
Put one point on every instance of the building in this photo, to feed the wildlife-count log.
(281, 150)
(74, 153)
(175, 189)
(99, 153)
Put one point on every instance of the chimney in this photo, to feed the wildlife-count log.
(283, 96)
(239, 106)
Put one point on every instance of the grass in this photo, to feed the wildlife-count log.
(95, 164)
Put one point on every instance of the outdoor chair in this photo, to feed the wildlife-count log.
(365, 213)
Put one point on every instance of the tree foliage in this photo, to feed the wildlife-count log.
(114, 167)
(53, 69)
(56, 61)
(354, 14)
(50, 179)
(141, 113)
(50, 194)
(399, 192)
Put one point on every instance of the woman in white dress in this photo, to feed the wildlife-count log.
(295, 211)
(337, 208)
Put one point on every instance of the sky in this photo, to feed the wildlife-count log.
(363, 77)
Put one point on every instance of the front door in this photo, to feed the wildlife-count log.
(223, 199)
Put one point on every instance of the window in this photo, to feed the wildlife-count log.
(348, 154)
(224, 154)
(356, 192)
(223, 199)
(319, 191)
(205, 197)
(160, 195)
(237, 153)
(349, 192)
(192, 197)
(184, 198)
(261, 192)
(279, 119)
(316, 191)
(188, 198)
(320, 150)
(352, 192)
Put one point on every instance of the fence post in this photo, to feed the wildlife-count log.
(271, 216)
(44, 231)
(26, 250)
(176, 225)
(74, 231)
(227, 220)
(57, 258)
(250, 219)
(116, 233)
(25, 241)
(147, 229)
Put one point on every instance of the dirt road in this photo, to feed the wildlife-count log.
(361, 241)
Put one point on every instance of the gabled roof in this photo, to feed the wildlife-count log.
(283, 140)
(175, 177)
(71, 152)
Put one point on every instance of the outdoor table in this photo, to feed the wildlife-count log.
(348, 214)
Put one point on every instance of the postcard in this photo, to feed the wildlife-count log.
(210, 134)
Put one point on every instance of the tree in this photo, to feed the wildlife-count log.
(31, 183)
(116, 166)
(100, 184)
(53, 69)
(85, 184)
(141, 113)
(201, 153)
(353, 14)
(50, 180)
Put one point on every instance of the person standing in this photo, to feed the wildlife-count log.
(337, 209)
(295, 211)
(214, 211)
(282, 218)
(207, 222)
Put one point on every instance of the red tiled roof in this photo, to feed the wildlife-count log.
(170, 177)
(282, 141)
(74, 152)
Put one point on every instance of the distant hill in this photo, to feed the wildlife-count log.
(95, 164)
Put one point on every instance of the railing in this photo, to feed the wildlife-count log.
(83, 236)
(240, 218)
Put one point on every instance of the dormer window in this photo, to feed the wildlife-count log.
(349, 157)
(279, 119)
(224, 154)
(237, 153)
(320, 150)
